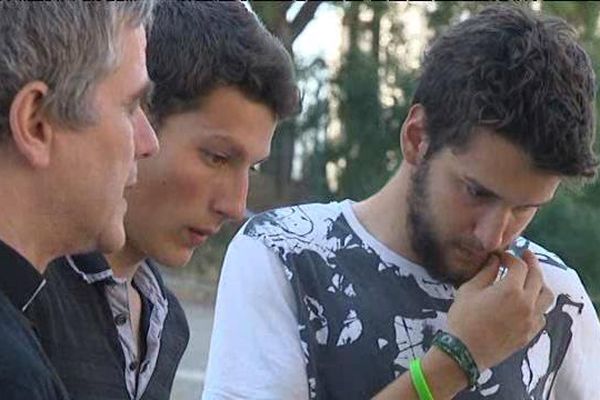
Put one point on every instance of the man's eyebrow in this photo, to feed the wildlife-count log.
(144, 94)
(481, 188)
(236, 149)
(262, 161)
(491, 194)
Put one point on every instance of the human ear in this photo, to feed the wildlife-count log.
(413, 136)
(30, 128)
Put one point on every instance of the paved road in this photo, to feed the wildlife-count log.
(190, 376)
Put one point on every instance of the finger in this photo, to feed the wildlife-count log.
(516, 270)
(544, 300)
(486, 276)
(539, 325)
(535, 277)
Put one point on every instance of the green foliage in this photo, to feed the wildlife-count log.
(368, 150)
(570, 227)
(363, 143)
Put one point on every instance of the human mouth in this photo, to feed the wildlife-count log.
(472, 256)
(197, 236)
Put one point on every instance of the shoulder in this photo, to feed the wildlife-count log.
(21, 369)
(292, 227)
(559, 276)
(293, 220)
(64, 288)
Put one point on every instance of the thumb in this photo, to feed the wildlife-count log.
(486, 276)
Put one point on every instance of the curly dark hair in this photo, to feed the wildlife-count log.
(519, 73)
(195, 47)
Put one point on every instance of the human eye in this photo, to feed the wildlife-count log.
(133, 107)
(476, 191)
(214, 159)
(524, 210)
(255, 169)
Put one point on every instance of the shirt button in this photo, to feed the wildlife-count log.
(133, 366)
(121, 319)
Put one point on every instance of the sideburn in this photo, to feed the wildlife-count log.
(422, 236)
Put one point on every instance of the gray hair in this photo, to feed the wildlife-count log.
(70, 46)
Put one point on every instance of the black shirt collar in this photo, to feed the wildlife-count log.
(91, 263)
(93, 267)
(19, 280)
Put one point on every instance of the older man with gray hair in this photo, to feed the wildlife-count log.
(72, 79)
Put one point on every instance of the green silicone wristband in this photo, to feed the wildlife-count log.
(418, 380)
(457, 350)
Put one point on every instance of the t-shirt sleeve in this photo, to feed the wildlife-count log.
(579, 375)
(255, 350)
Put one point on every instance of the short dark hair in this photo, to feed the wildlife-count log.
(519, 73)
(195, 47)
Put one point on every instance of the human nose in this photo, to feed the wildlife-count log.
(145, 140)
(231, 201)
(492, 227)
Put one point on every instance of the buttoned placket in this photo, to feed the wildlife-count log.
(137, 377)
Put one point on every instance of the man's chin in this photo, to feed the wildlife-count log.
(174, 260)
(111, 240)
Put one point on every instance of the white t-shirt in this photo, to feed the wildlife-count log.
(257, 350)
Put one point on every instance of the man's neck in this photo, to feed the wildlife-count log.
(384, 215)
(26, 229)
(30, 251)
(125, 262)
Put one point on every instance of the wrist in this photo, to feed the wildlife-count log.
(457, 350)
(444, 376)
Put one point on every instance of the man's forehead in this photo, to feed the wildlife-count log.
(140, 35)
(130, 75)
(500, 167)
(239, 146)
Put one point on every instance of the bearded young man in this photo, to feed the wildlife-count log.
(396, 295)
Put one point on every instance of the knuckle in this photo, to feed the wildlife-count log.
(534, 273)
(533, 327)
(512, 261)
(513, 292)
(547, 296)
(521, 300)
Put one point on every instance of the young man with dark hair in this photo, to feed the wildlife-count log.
(71, 128)
(401, 296)
(222, 82)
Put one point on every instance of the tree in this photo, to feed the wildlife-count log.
(274, 15)
(570, 225)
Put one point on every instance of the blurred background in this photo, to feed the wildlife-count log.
(357, 65)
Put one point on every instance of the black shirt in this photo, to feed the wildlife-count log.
(25, 372)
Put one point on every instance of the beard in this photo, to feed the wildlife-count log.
(425, 242)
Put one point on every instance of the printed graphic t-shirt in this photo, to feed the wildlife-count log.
(310, 305)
